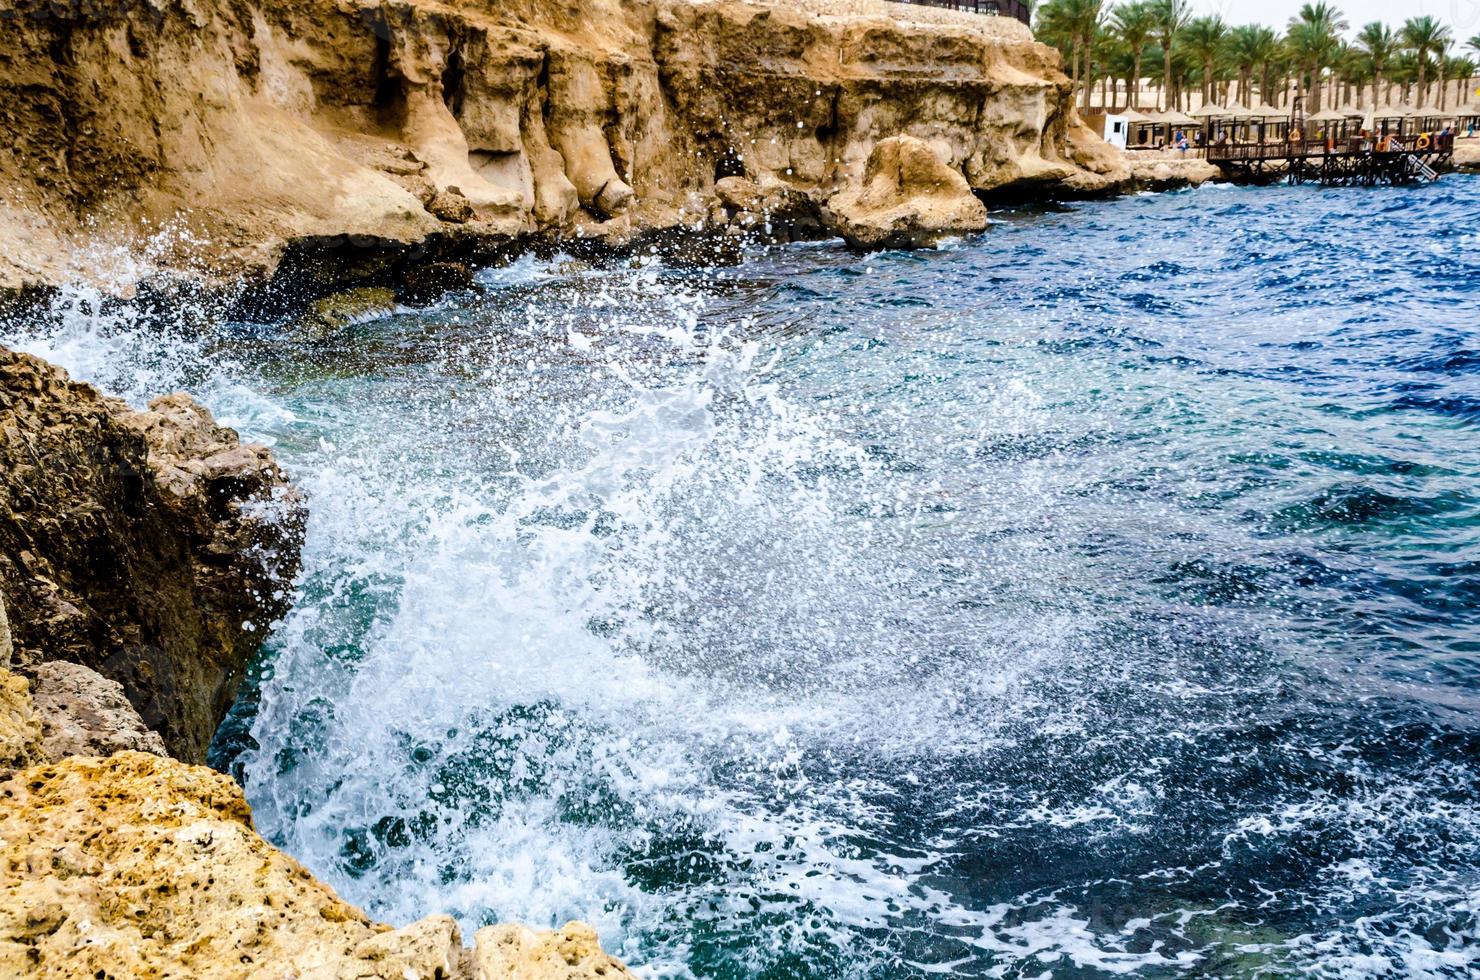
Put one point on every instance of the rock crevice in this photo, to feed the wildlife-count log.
(151, 547)
(142, 557)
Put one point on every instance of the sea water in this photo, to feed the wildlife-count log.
(1098, 596)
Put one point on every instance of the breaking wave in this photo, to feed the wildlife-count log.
(1034, 606)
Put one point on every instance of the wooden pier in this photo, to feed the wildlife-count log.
(1354, 162)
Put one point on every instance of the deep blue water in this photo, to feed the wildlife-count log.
(1099, 596)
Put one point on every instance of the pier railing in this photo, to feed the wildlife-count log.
(991, 8)
(1277, 149)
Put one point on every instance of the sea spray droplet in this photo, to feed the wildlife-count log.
(1078, 666)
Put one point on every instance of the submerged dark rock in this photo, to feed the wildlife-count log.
(329, 317)
(152, 547)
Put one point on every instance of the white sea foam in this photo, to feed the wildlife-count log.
(600, 620)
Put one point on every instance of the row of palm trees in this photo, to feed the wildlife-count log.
(1114, 45)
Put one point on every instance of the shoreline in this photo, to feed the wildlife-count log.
(347, 269)
(313, 166)
(131, 787)
(228, 142)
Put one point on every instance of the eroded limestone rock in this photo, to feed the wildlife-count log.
(515, 952)
(284, 121)
(84, 713)
(451, 206)
(909, 197)
(20, 727)
(5, 645)
(152, 547)
(1169, 170)
(139, 866)
(739, 193)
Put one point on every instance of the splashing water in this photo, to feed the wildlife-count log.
(1077, 601)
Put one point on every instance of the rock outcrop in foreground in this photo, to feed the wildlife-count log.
(136, 866)
(255, 125)
(152, 548)
(143, 555)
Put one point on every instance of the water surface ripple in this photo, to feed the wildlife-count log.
(1097, 597)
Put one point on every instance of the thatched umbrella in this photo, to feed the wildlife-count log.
(1327, 118)
(1209, 110)
(1175, 118)
(1400, 114)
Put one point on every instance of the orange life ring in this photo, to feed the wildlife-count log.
(1423, 142)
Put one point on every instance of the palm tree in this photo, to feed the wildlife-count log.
(1184, 70)
(1379, 43)
(1101, 61)
(1474, 45)
(1205, 37)
(1171, 17)
(1461, 70)
(1353, 70)
(1051, 26)
(1307, 44)
(1118, 65)
(1251, 46)
(1279, 67)
(1088, 15)
(1425, 36)
(1315, 36)
(1403, 69)
(1134, 24)
(1070, 26)
(1441, 61)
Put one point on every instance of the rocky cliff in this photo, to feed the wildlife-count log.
(142, 556)
(136, 866)
(151, 547)
(254, 128)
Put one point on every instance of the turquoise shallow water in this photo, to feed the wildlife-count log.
(1097, 597)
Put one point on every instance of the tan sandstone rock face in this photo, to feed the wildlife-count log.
(262, 123)
(20, 726)
(151, 547)
(84, 713)
(6, 649)
(67, 710)
(1467, 155)
(515, 952)
(137, 867)
(909, 197)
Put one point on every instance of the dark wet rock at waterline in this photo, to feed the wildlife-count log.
(152, 547)
(428, 282)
